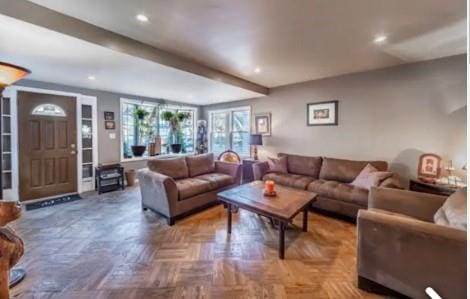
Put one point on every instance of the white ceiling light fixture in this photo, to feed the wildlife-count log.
(91, 78)
(380, 39)
(257, 70)
(142, 18)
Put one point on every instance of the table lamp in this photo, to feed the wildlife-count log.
(255, 140)
(10, 74)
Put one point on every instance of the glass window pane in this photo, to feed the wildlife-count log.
(230, 130)
(128, 128)
(219, 132)
(241, 121)
(48, 110)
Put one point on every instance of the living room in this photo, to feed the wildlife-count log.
(242, 149)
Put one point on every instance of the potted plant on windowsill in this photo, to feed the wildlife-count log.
(138, 149)
(175, 136)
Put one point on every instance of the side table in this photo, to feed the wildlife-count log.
(419, 186)
(247, 170)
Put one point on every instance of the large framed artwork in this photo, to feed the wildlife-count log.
(263, 124)
(322, 114)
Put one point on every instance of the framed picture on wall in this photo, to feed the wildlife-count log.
(322, 114)
(109, 125)
(429, 166)
(108, 115)
(263, 124)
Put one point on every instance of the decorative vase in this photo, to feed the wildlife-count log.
(176, 148)
(158, 145)
(138, 150)
(152, 149)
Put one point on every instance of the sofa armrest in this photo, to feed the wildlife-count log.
(418, 205)
(408, 255)
(391, 182)
(232, 169)
(259, 170)
(159, 192)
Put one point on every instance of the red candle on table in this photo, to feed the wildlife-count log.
(269, 186)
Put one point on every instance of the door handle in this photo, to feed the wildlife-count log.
(72, 145)
(72, 152)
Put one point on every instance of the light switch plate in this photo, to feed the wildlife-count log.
(112, 135)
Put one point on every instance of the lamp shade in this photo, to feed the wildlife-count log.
(256, 139)
(10, 73)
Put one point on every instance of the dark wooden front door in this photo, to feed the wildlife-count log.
(47, 145)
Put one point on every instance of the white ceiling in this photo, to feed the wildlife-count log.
(291, 41)
(58, 58)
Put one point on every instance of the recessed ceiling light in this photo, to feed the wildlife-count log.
(142, 18)
(257, 70)
(380, 39)
(92, 78)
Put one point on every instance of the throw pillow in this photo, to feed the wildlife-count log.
(370, 177)
(453, 212)
(278, 165)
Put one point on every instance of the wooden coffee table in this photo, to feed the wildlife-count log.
(282, 208)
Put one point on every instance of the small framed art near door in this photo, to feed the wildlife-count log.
(322, 113)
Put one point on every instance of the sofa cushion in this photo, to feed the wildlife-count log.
(200, 164)
(174, 168)
(340, 191)
(278, 165)
(346, 170)
(453, 212)
(191, 186)
(217, 180)
(303, 165)
(370, 177)
(289, 180)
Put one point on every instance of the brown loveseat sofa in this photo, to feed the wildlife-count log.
(174, 188)
(400, 247)
(327, 177)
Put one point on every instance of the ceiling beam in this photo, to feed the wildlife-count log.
(44, 17)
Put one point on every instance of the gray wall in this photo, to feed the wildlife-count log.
(108, 149)
(393, 114)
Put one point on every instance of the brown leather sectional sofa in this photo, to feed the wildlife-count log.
(329, 178)
(177, 187)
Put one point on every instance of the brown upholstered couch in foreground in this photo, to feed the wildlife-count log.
(174, 188)
(327, 177)
(400, 247)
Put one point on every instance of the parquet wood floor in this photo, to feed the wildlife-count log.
(106, 247)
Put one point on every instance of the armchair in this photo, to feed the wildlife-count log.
(400, 248)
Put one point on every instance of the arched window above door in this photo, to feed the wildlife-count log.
(48, 110)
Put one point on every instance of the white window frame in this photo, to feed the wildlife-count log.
(159, 106)
(229, 110)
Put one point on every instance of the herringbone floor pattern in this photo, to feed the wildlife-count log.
(106, 247)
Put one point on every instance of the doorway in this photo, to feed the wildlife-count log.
(47, 144)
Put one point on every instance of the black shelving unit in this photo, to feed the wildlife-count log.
(109, 178)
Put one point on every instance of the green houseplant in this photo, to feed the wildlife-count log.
(175, 136)
(143, 126)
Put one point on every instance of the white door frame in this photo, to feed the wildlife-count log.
(11, 92)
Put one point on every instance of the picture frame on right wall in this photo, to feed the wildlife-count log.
(322, 113)
(263, 124)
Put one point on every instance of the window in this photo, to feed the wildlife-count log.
(48, 110)
(187, 129)
(133, 134)
(230, 129)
